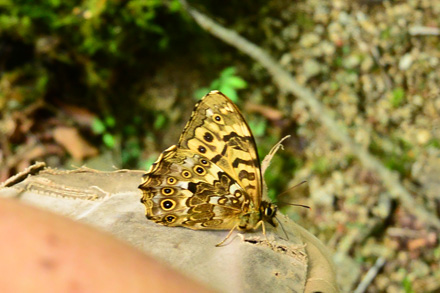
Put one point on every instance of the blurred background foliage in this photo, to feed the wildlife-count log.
(112, 83)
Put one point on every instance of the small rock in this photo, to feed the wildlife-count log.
(423, 136)
(311, 68)
(309, 40)
(405, 62)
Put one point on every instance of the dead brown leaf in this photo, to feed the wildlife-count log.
(71, 140)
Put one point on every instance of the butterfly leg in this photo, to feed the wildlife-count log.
(261, 223)
(227, 236)
(264, 230)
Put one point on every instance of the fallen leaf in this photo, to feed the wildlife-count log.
(72, 141)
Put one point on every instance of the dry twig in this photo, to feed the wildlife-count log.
(371, 274)
(32, 169)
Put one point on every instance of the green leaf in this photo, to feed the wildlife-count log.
(385, 34)
(4, 3)
(236, 82)
(258, 127)
(174, 6)
(407, 285)
(435, 143)
(163, 43)
(147, 163)
(137, 119)
(272, 194)
(198, 94)
(42, 82)
(229, 92)
(55, 3)
(227, 83)
(215, 85)
(98, 127)
(130, 130)
(109, 140)
(397, 97)
(338, 62)
(110, 121)
(160, 121)
(132, 151)
(227, 72)
(437, 252)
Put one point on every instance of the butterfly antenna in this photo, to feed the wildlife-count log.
(295, 186)
(295, 204)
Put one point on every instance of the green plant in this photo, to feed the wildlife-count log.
(104, 128)
(228, 83)
(435, 143)
(407, 285)
(146, 164)
(321, 165)
(258, 127)
(397, 97)
(159, 121)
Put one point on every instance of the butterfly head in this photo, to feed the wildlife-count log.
(268, 212)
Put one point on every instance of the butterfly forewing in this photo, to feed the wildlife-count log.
(218, 131)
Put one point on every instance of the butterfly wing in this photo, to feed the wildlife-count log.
(218, 131)
(183, 188)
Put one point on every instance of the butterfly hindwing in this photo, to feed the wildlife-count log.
(185, 189)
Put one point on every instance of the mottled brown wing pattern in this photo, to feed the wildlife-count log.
(218, 131)
(186, 189)
(211, 179)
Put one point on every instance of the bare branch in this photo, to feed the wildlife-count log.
(371, 274)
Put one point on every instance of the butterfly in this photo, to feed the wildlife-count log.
(212, 178)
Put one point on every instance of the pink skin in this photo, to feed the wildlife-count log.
(44, 252)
